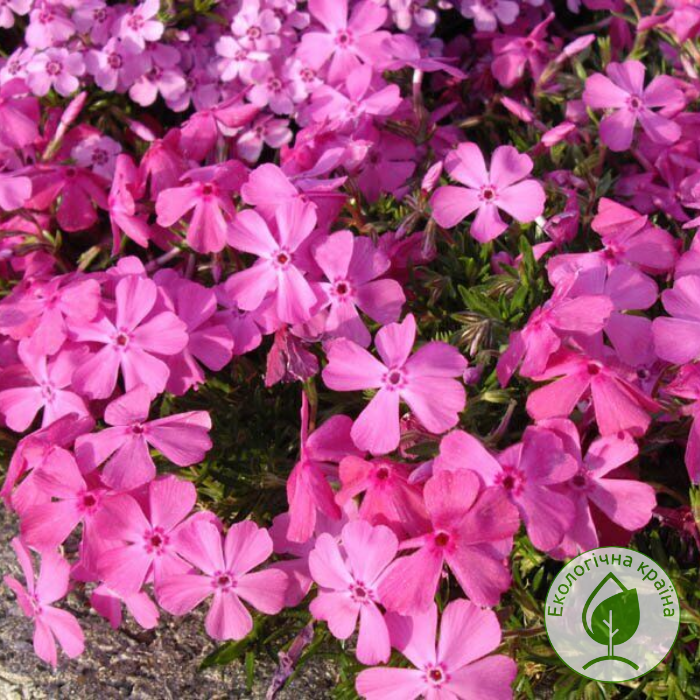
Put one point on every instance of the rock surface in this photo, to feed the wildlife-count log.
(128, 663)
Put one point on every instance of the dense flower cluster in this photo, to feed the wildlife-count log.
(142, 259)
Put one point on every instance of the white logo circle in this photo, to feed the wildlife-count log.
(612, 614)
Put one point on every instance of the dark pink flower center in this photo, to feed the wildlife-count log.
(488, 193)
(223, 580)
(54, 67)
(580, 480)
(436, 675)
(115, 61)
(135, 22)
(274, 85)
(207, 190)
(394, 379)
(100, 156)
(138, 429)
(47, 391)
(634, 103)
(442, 539)
(382, 473)
(512, 480)
(283, 258)
(70, 173)
(254, 33)
(593, 368)
(122, 339)
(343, 38)
(89, 501)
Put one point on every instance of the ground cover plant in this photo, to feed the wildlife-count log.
(348, 323)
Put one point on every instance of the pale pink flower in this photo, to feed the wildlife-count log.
(416, 379)
(10, 8)
(98, 153)
(351, 265)
(131, 338)
(598, 486)
(46, 525)
(138, 25)
(283, 260)
(487, 14)
(108, 604)
(347, 578)
(55, 68)
(346, 42)
(528, 473)
(182, 438)
(308, 489)
(148, 549)
(388, 496)
(208, 197)
(19, 112)
(50, 623)
(623, 92)
(471, 531)
(504, 186)
(677, 339)
(456, 666)
(40, 383)
(226, 574)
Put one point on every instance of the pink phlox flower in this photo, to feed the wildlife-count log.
(677, 339)
(210, 342)
(388, 497)
(528, 473)
(629, 290)
(274, 88)
(98, 153)
(257, 26)
(226, 566)
(73, 499)
(352, 265)
(471, 531)
(246, 327)
(308, 488)
(387, 168)
(686, 385)
(416, 379)
(270, 186)
(366, 96)
(558, 317)
(208, 197)
(138, 24)
(296, 562)
(40, 383)
(15, 190)
(78, 190)
(618, 404)
(265, 131)
(144, 536)
(19, 112)
(94, 17)
(514, 54)
(125, 214)
(199, 134)
(19, 489)
(11, 8)
(163, 164)
(282, 264)
(49, 26)
(627, 237)
(596, 486)
(289, 359)
(50, 308)
(35, 600)
(131, 336)
(55, 68)
(409, 14)
(455, 666)
(115, 66)
(487, 14)
(503, 186)
(623, 92)
(182, 438)
(108, 604)
(347, 42)
(347, 580)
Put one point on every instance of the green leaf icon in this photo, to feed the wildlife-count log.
(614, 621)
(616, 617)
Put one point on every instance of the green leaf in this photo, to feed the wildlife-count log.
(619, 614)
